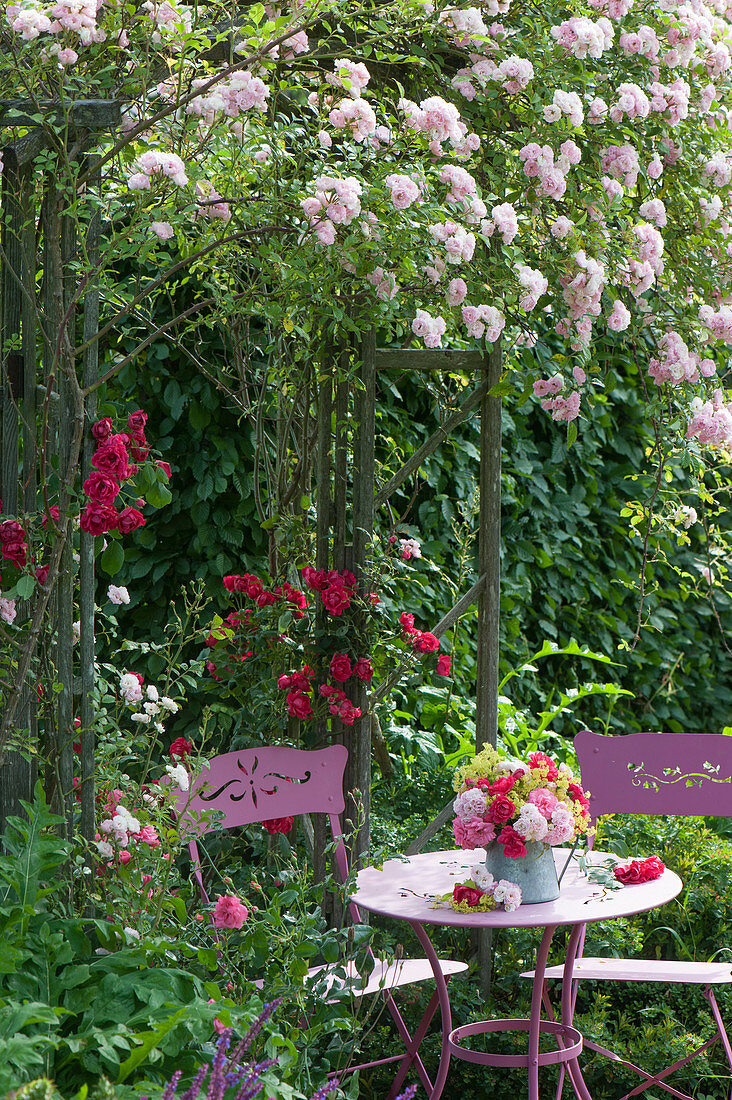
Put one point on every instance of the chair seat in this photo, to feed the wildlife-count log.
(384, 976)
(645, 970)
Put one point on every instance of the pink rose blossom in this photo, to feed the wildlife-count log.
(149, 836)
(162, 230)
(474, 833)
(544, 800)
(229, 912)
(456, 291)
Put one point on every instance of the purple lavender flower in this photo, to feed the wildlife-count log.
(229, 1078)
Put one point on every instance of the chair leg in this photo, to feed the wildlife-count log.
(650, 1079)
(709, 994)
(412, 1046)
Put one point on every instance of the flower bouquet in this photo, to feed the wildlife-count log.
(517, 811)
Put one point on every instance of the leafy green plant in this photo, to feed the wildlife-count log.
(85, 998)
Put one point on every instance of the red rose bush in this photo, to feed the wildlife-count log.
(111, 498)
(302, 629)
(115, 463)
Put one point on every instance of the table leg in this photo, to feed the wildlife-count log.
(446, 1015)
(568, 1002)
(535, 1014)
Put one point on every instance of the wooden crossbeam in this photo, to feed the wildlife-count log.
(88, 114)
(91, 115)
(449, 619)
(463, 411)
(428, 359)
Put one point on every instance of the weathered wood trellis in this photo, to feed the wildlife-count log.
(335, 550)
(39, 373)
(43, 317)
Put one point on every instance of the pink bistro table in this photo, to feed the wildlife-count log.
(405, 889)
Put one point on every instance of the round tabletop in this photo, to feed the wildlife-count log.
(406, 889)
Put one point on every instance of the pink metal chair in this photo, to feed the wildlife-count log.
(255, 785)
(681, 774)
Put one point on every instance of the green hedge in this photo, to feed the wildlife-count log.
(569, 566)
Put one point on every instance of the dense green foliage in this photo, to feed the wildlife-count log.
(570, 565)
(89, 1001)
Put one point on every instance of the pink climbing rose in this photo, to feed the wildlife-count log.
(229, 912)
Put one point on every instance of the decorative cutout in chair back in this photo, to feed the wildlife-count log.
(267, 782)
(657, 773)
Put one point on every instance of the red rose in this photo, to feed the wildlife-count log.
(42, 574)
(541, 760)
(298, 705)
(165, 467)
(231, 582)
(444, 664)
(653, 868)
(102, 430)
(98, 518)
(265, 598)
(629, 873)
(576, 793)
(111, 458)
(336, 600)
(317, 579)
(211, 670)
(136, 421)
(101, 488)
(513, 843)
(471, 895)
(284, 683)
(16, 550)
(502, 785)
(347, 712)
(407, 620)
(53, 512)
(296, 597)
(639, 870)
(129, 520)
(251, 586)
(180, 749)
(363, 669)
(279, 824)
(11, 531)
(501, 810)
(340, 667)
(424, 642)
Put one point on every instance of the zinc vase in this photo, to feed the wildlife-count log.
(535, 873)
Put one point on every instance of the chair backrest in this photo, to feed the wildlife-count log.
(254, 785)
(687, 774)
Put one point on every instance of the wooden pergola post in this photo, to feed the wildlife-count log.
(31, 385)
(489, 603)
